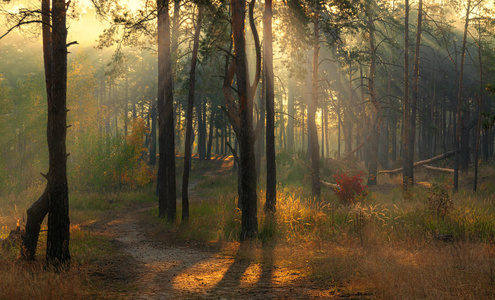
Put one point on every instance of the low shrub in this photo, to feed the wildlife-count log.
(350, 188)
(439, 202)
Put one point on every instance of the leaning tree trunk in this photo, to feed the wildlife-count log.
(190, 107)
(38, 210)
(313, 104)
(55, 199)
(271, 173)
(57, 246)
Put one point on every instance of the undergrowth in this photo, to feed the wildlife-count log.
(29, 280)
(381, 243)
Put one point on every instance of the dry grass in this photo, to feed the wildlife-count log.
(458, 271)
(387, 246)
(19, 280)
(29, 280)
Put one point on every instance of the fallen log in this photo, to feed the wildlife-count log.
(331, 185)
(420, 163)
(446, 170)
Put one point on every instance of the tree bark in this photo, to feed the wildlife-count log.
(290, 120)
(241, 117)
(57, 247)
(374, 142)
(313, 104)
(459, 100)
(189, 116)
(166, 168)
(201, 111)
(271, 172)
(480, 106)
(152, 160)
(38, 210)
(412, 125)
(260, 140)
(210, 135)
(407, 175)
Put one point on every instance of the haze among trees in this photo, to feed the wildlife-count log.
(247, 149)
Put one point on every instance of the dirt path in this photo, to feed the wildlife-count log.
(154, 264)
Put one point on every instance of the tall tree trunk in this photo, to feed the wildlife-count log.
(364, 126)
(260, 140)
(384, 130)
(201, 111)
(407, 174)
(347, 112)
(271, 173)
(175, 35)
(459, 100)
(375, 134)
(313, 104)
(189, 116)
(166, 168)
(38, 210)
(152, 160)
(57, 246)
(412, 126)
(291, 117)
(242, 118)
(210, 134)
(480, 107)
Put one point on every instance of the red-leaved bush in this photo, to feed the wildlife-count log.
(350, 188)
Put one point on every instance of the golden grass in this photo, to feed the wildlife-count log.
(386, 246)
(29, 280)
(459, 271)
(20, 280)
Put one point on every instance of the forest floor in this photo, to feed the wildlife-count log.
(151, 263)
(383, 247)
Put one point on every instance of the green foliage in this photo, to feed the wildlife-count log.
(112, 162)
(289, 169)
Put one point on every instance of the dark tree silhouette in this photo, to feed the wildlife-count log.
(190, 107)
(166, 139)
(55, 199)
(271, 168)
